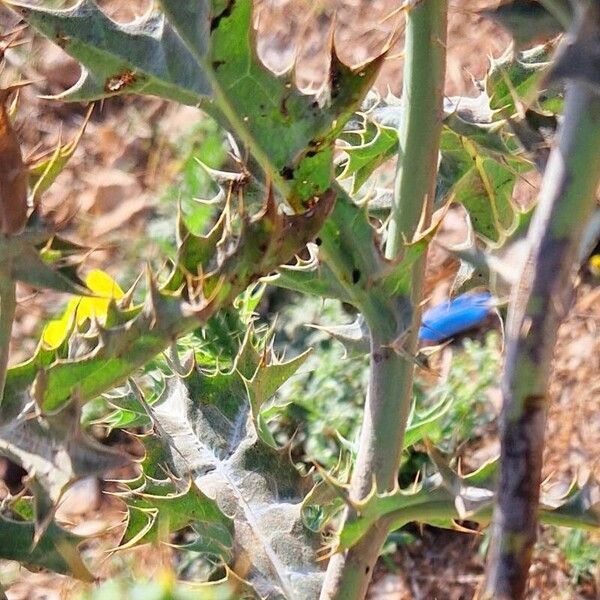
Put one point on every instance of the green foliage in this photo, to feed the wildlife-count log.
(210, 426)
(515, 78)
(41, 260)
(183, 361)
(54, 450)
(582, 553)
(447, 497)
(480, 157)
(158, 507)
(184, 54)
(322, 406)
(472, 376)
(55, 548)
(200, 147)
(44, 171)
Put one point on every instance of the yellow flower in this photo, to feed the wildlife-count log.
(81, 308)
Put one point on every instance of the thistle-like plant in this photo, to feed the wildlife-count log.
(214, 480)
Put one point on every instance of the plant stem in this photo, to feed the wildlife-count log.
(540, 301)
(389, 395)
(8, 304)
(421, 123)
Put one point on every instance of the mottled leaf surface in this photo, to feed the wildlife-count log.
(208, 425)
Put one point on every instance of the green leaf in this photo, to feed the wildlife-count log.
(347, 264)
(159, 504)
(134, 335)
(371, 137)
(311, 276)
(157, 508)
(184, 53)
(209, 428)
(446, 497)
(420, 424)
(117, 352)
(482, 184)
(516, 77)
(266, 380)
(56, 550)
(479, 165)
(353, 336)
(146, 57)
(579, 507)
(44, 171)
(368, 144)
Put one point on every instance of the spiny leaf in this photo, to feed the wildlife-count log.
(118, 353)
(184, 53)
(368, 141)
(368, 144)
(146, 56)
(513, 78)
(22, 261)
(421, 423)
(43, 171)
(135, 335)
(371, 137)
(209, 428)
(267, 240)
(159, 504)
(330, 494)
(353, 336)
(479, 164)
(56, 550)
(446, 497)
(158, 508)
(266, 380)
(579, 507)
(493, 268)
(482, 184)
(348, 241)
(18, 379)
(311, 276)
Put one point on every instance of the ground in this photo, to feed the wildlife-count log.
(129, 151)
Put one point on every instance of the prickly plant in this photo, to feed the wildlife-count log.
(189, 366)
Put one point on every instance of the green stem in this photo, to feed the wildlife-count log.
(8, 304)
(421, 123)
(540, 302)
(389, 396)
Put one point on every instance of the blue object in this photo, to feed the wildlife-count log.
(455, 316)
